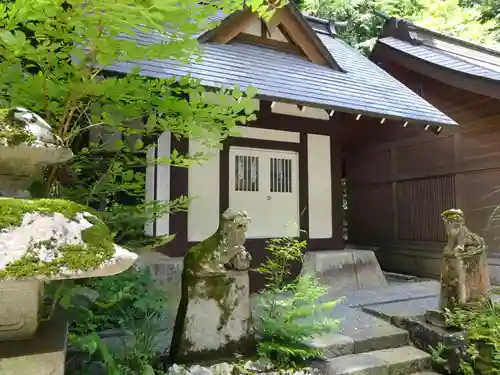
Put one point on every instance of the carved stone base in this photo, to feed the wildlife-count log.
(44, 354)
(213, 318)
(464, 280)
(19, 307)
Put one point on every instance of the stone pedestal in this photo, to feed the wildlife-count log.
(19, 307)
(44, 354)
(213, 318)
(464, 280)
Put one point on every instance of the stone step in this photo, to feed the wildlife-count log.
(360, 340)
(404, 360)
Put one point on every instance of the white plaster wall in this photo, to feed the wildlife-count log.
(150, 188)
(320, 186)
(203, 185)
(266, 134)
(162, 183)
(293, 110)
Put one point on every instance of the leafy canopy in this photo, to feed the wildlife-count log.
(359, 25)
(53, 55)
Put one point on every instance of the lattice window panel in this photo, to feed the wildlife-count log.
(246, 173)
(281, 175)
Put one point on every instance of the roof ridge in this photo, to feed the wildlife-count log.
(451, 38)
(329, 24)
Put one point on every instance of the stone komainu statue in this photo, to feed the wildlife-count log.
(464, 268)
(461, 241)
(222, 249)
(214, 312)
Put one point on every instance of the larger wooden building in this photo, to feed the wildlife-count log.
(401, 179)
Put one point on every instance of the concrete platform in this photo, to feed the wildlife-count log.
(359, 332)
(345, 270)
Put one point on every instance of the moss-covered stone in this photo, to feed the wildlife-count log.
(12, 132)
(217, 288)
(98, 244)
(202, 253)
(225, 300)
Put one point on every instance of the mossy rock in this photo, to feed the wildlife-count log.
(86, 250)
(12, 131)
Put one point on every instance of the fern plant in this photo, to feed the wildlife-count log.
(290, 313)
(481, 322)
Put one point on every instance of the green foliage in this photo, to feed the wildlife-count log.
(11, 132)
(290, 313)
(481, 321)
(440, 358)
(53, 54)
(359, 25)
(490, 14)
(130, 302)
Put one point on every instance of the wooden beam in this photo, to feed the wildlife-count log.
(276, 19)
(295, 32)
(275, 44)
(234, 26)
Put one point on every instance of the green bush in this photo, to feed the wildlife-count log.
(290, 313)
(481, 322)
(130, 303)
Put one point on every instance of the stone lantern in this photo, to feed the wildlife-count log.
(41, 240)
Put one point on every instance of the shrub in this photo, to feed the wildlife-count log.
(481, 321)
(129, 303)
(290, 313)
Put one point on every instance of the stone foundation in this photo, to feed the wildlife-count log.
(345, 270)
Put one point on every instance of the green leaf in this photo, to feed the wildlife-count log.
(148, 370)
(7, 37)
(138, 145)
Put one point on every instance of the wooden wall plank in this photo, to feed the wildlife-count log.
(460, 167)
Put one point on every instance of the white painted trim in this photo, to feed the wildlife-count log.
(203, 185)
(266, 134)
(150, 186)
(320, 186)
(162, 183)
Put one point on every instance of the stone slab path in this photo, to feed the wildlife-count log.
(366, 343)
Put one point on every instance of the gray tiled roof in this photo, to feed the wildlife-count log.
(363, 87)
(449, 52)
